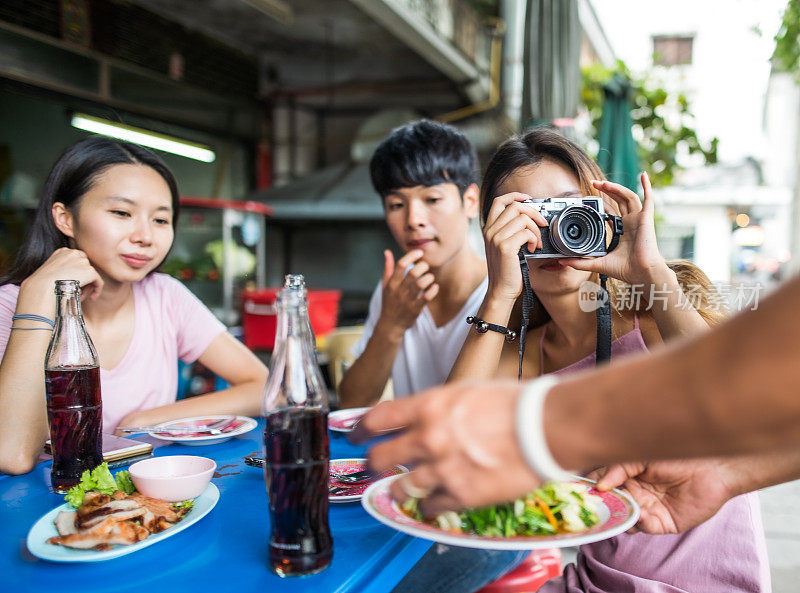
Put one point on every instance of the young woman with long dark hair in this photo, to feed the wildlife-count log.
(106, 218)
(725, 554)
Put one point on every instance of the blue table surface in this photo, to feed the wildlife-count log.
(227, 550)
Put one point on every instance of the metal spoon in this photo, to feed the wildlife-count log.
(343, 490)
(214, 428)
(358, 477)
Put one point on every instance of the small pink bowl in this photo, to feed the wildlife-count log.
(172, 478)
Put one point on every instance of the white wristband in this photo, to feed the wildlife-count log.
(530, 430)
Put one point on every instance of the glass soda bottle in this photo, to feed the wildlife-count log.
(296, 450)
(298, 282)
(72, 384)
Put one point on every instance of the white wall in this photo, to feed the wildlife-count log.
(727, 81)
(728, 84)
(712, 235)
(781, 121)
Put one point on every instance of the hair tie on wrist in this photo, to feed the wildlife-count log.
(32, 317)
(482, 327)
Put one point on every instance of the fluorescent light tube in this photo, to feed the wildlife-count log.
(144, 137)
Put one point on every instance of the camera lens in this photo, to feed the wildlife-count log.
(574, 231)
(577, 231)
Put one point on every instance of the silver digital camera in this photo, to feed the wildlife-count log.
(576, 228)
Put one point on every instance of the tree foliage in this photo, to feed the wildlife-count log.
(786, 56)
(662, 121)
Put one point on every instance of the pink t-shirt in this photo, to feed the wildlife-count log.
(170, 324)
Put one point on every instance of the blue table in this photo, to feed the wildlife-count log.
(225, 551)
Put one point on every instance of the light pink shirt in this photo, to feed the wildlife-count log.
(170, 324)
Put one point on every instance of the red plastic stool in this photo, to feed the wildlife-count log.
(538, 567)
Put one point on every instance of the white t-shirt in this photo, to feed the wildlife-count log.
(427, 352)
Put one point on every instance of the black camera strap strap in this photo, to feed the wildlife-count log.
(616, 231)
(603, 323)
(604, 310)
(528, 299)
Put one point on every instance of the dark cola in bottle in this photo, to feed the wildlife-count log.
(296, 450)
(72, 384)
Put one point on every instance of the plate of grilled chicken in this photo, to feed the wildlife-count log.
(106, 527)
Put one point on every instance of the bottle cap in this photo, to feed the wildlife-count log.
(68, 287)
(297, 281)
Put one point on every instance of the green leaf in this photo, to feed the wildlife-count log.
(75, 496)
(104, 482)
(658, 138)
(588, 517)
(124, 482)
(100, 480)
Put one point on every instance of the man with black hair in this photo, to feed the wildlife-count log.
(425, 173)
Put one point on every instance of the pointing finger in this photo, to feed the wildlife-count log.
(649, 203)
(627, 200)
(388, 267)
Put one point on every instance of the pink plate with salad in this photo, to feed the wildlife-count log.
(558, 515)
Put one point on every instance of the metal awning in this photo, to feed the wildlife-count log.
(338, 192)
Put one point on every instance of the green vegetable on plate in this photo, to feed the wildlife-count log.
(100, 480)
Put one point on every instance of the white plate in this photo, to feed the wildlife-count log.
(241, 425)
(349, 466)
(343, 420)
(618, 514)
(44, 528)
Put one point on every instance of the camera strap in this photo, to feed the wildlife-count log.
(528, 299)
(604, 310)
(603, 314)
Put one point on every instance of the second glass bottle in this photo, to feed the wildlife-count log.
(296, 449)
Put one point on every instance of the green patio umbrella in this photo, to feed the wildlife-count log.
(618, 156)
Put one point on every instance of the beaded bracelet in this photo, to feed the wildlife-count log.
(32, 317)
(482, 327)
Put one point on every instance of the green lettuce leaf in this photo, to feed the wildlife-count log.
(75, 496)
(100, 480)
(124, 482)
(103, 480)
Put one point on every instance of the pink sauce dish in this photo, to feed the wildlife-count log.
(172, 478)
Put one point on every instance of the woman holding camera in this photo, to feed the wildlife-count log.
(651, 302)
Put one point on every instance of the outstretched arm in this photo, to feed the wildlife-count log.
(729, 391)
(228, 358)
